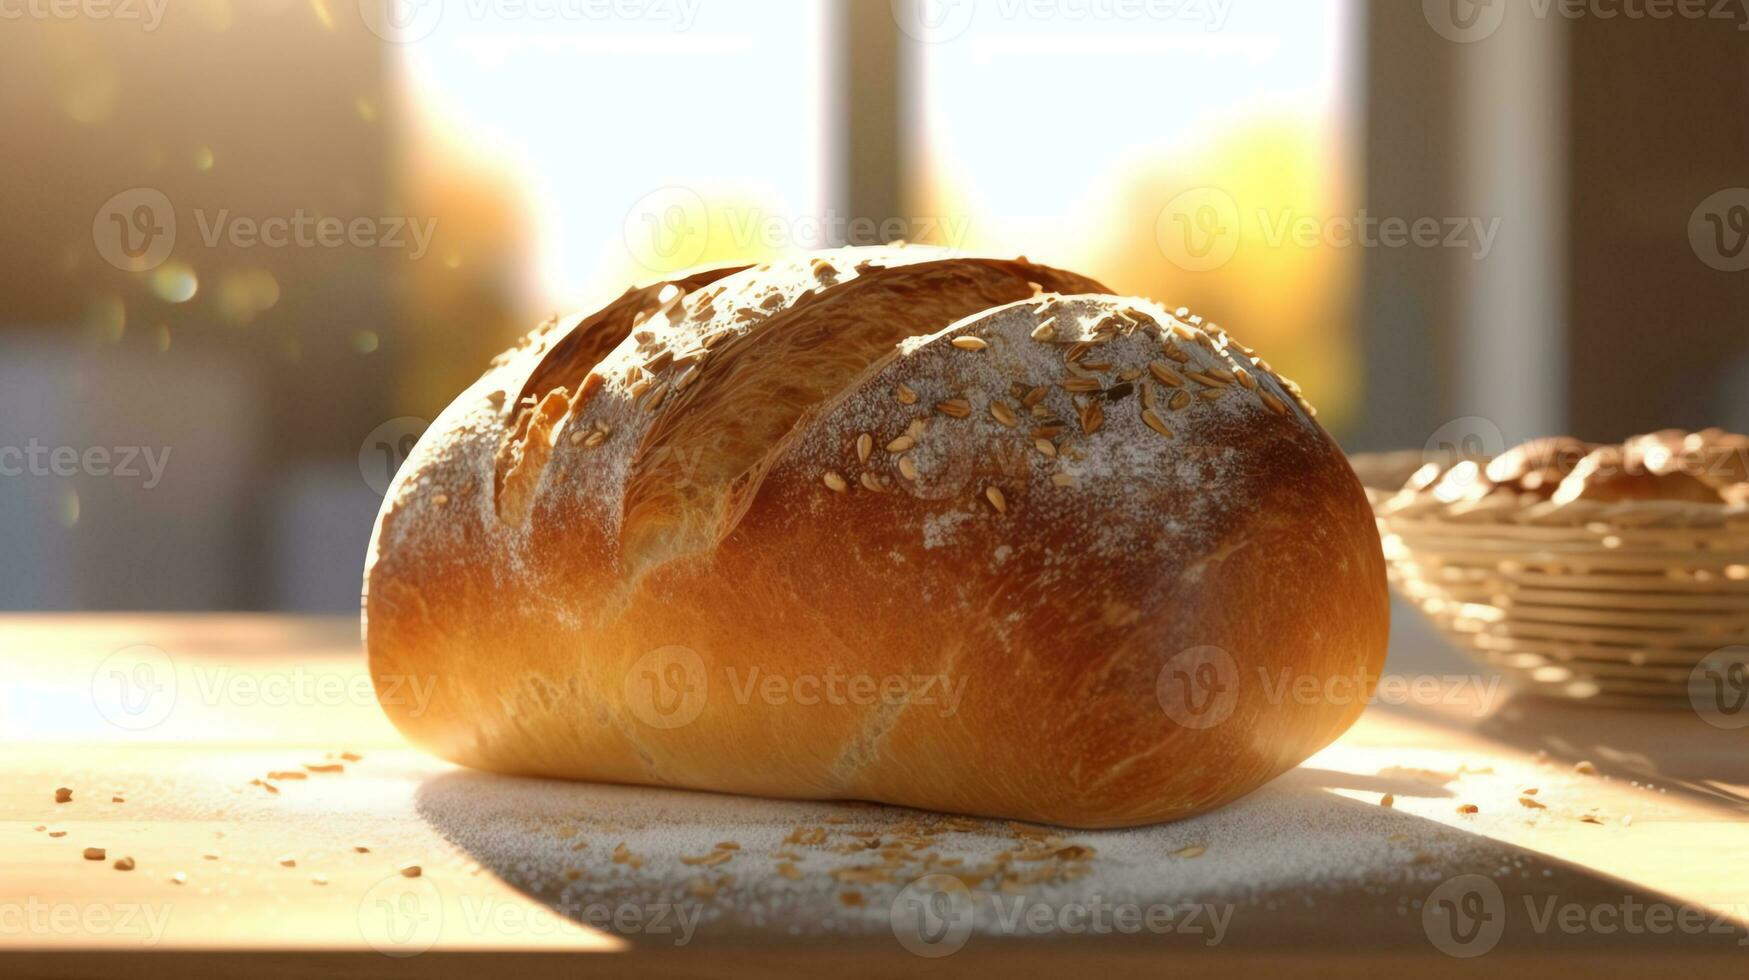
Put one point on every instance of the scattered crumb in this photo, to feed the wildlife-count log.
(318, 879)
(63, 795)
(412, 871)
(1528, 791)
(1387, 800)
(324, 767)
(124, 864)
(179, 878)
(1469, 808)
(1190, 851)
(287, 774)
(700, 888)
(1584, 768)
(1530, 804)
(57, 833)
(288, 861)
(95, 854)
(117, 799)
(361, 848)
(786, 869)
(851, 899)
(210, 856)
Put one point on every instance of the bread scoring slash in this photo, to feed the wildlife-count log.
(991, 539)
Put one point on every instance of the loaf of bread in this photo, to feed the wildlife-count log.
(1709, 467)
(884, 524)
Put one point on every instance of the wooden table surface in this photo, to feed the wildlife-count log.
(163, 727)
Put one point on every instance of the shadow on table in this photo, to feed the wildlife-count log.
(1675, 750)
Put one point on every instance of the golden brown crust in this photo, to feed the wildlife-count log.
(1537, 466)
(1671, 465)
(1611, 474)
(1013, 546)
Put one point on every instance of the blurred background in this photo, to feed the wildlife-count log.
(250, 247)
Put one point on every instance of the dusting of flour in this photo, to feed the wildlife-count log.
(818, 867)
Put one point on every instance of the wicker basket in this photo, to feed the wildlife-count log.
(1613, 604)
